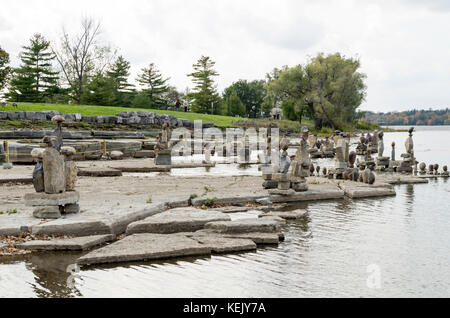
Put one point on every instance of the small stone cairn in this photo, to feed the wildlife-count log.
(162, 148)
(409, 161)
(54, 178)
(382, 163)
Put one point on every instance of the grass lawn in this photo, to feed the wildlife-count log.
(86, 110)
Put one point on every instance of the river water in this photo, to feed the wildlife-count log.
(389, 247)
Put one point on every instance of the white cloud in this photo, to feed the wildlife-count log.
(403, 45)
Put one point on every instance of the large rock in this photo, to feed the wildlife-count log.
(139, 247)
(54, 171)
(245, 226)
(77, 243)
(177, 220)
(45, 199)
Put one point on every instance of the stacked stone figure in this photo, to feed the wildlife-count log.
(54, 178)
(283, 178)
(382, 163)
(445, 173)
(267, 168)
(162, 148)
(342, 156)
(327, 148)
(409, 160)
(301, 164)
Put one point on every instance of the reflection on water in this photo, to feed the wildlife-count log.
(325, 254)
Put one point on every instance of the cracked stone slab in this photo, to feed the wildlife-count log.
(355, 190)
(287, 215)
(222, 244)
(74, 244)
(177, 220)
(310, 195)
(245, 226)
(140, 247)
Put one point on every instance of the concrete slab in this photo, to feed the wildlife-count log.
(245, 226)
(176, 220)
(99, 172)
(140, 247)
(73, 244)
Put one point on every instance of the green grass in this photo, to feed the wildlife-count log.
(86, 110)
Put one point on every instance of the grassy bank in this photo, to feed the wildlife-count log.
(286, 126)
(86, 110)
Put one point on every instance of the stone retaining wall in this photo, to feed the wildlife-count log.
(128, 118)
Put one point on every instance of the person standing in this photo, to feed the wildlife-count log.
(177, 105)
(186, 106)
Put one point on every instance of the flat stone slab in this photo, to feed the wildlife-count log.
(233, 209)
(245, 226)
(70, 244)
(99, 172)
(280, 221)
(177, 220)
(404, 179)
(228, 201)
(310, 195)
(79, 227)
(17, 181)
(44, 199)
(287, 215)
(141, 247)
(363, 191)
(220, 244)
(258, 238)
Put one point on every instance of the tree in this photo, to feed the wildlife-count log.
(82, 56)
(234, 105)
(272, 98)
(35, 79)
(4, 68)
(251, 94)
(99, 91)
(172, 95)
(119, 72)
(205, 97)
(154, 85)
(329, 89)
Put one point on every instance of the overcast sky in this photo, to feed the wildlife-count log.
(403, 45)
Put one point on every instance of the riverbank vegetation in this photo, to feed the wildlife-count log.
(411, 118)
(82, 69)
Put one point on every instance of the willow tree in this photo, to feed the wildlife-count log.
(329, 89)
(205, 97)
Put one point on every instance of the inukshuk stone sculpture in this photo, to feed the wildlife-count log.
(162, 148)
(436, 169)
(313, 150)
(283, 178)
(301, 164)
(327, 148)
(267, 168)
(54, 178)
(342, 156)
(408, 158)
(382, 163)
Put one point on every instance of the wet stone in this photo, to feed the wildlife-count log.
(70, 244)
(288, 215)
(244, 226)
(139, 247)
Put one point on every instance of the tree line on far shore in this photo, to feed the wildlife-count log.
(79, 69)
(411, 118)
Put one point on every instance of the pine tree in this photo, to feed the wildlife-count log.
(119, 73)
(4, 68)
(34, 79)
(205, 94)
(154, 85)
